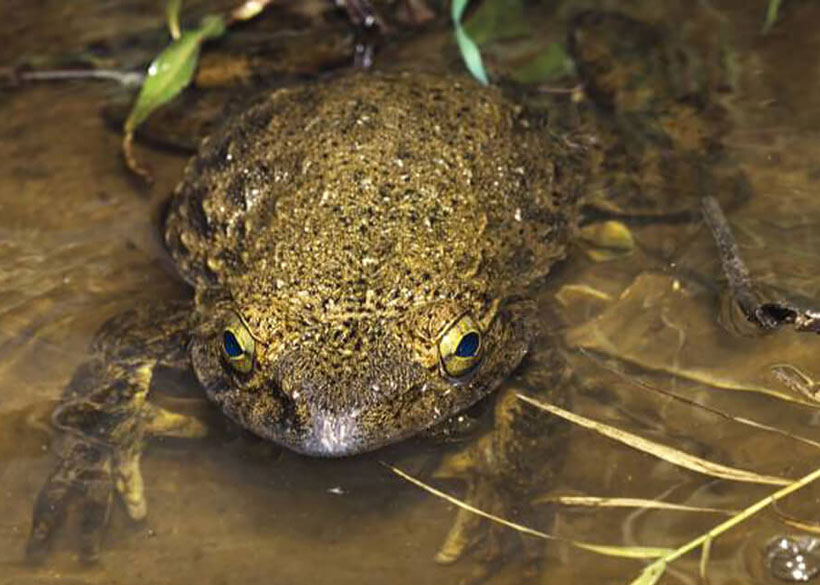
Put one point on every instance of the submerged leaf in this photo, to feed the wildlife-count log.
(610, 240)
(670, 454)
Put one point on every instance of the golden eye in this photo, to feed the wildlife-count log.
(460, 348)
(238, 345)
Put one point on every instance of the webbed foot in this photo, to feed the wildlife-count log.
(500, 470)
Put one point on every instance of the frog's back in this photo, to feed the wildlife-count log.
(382, 182)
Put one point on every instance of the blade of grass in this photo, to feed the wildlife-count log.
(670, 454)
(632, 552)
(660, 564)
(704, 559)
(772, 11)
(172, 9)
(798, 523)
(738, 419)
(598, 502)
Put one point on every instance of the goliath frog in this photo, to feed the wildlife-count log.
(363, 254)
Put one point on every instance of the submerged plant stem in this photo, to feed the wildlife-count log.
(632, 552)
(665, 452)
(651, 570)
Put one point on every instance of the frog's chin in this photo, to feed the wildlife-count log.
(338, 435)
(334, 435)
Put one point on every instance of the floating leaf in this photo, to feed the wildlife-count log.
(469, 50)
(670, 454)
(168, 75)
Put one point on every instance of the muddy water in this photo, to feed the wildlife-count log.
(78, 244)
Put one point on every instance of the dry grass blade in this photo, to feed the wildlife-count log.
(798, 523)
(599, 502)
(704, 559)
(468, 507)
(632, 552)
(652, 572)
(737, 419)
(670, 454)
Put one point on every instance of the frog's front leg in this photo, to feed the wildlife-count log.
(506, 466)
(103, 421)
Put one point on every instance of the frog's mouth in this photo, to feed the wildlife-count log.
(329, 420)
(334, 435)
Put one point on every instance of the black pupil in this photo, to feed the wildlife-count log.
(232, 347)
(468, 346)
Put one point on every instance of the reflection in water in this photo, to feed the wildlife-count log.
(77, 244)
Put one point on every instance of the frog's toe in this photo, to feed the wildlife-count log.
(129, 483)
(93, 485)
(96, 493)
(49, 512)
(165, 423)
(462, 535)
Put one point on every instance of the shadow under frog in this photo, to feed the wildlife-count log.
(365, 255)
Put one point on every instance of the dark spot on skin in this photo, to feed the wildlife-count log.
(235, 191)
(197, 218)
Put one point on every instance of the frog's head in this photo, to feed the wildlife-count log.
(352, 383)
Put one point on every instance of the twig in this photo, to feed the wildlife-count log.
(768, 315)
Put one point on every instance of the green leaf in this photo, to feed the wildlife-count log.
(172, 70)
(549, 64)
(771, 15)
(167, 75)
(457, 10)
(496, 20)
(469, 50)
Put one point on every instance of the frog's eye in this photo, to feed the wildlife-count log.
(460, 348)
(238, 345)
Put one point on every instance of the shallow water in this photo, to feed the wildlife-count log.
(78, 244)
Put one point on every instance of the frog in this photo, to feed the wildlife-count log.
(364, 255)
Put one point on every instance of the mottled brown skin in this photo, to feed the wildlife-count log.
(349, 224)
